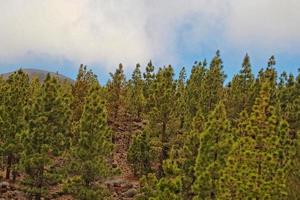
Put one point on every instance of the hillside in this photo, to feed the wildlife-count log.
(152, 136)
(41, 74)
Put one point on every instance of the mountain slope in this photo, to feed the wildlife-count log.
(41, 74)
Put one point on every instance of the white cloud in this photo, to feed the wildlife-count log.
(103, 31)
(264, 24)
(130, 31)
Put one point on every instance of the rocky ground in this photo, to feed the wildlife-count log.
(10, 191)
(126, 185)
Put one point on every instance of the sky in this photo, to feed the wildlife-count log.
(59, 35)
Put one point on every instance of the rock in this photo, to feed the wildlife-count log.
(126, 186)
(4, 184)
(115, 182)
(19, 195)
(114, 165)
(11, 195)
(130, 193)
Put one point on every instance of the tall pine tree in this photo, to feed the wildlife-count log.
(214, 81)
(240, 92)
(84, 81)
(45, 138)
(195, 92)
(258, 165)
(215, 144)
(116, 92)
(89, 158)
(161, 114)
(136, 97)
(12, 114)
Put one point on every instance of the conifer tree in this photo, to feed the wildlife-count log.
(268, 75)
(161, 114)
(240, 93)
(290, 104)
(149, 77)
(139, 154)
(289, 97)
(179, 167)
(12, 114)
(195, 92)
(188, 154)
(170, 186)
(84, 81)
(116, 92)
(147, 187)
(181, 97)
(88, 161)
(85, 78)
(35, 87)
(2, 90)
(136, 96)
(258, 165)
(214, 80)
(45, 138)
(215, 144)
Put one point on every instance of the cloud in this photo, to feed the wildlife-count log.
(102, 31)
(130, 31)
(264, 24)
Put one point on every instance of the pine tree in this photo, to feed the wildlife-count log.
(215, 144)
(3, 93)
(170, 186)
(214, 80)
(161, 114)
(12, 114)
(2, 90)
(188, 154)
(45, 138)
(293, 185)
(85, 79)
(139, 154)
(290, 104)
(179, 174)
(147, 187)
(136, 97)
(88, 160)
(181, 98)
(35, 89)
(268, 75)
(116, 92)
(195, 92)
(258, 165)
(149, 77)
(240, 92)
(289, 97)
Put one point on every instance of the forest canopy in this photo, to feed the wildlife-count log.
(171, 138)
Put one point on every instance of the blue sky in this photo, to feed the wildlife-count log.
(59, 35)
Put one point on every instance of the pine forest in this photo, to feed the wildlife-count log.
(154, 135)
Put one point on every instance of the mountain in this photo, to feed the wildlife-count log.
(41, 74)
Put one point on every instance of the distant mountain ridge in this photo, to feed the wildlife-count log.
(41, 74)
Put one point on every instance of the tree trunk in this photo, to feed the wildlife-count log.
(40, 183)
(8, 168)
(164, 150)
(38, 196)
(14, 174)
